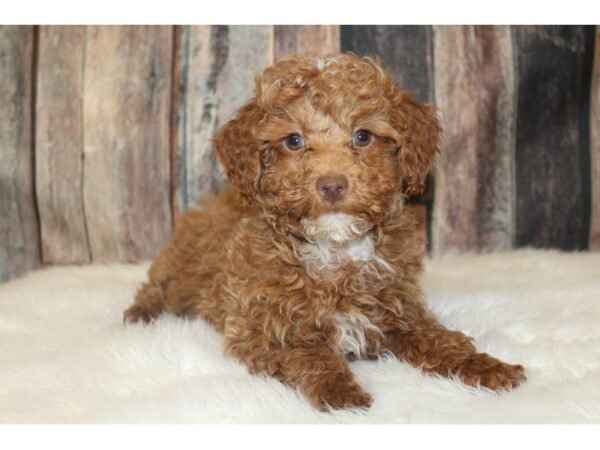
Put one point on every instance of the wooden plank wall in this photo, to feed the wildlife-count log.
(102, 142)
(105, 137)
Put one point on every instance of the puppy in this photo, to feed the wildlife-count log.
(311, 258)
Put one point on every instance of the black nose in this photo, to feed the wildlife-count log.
(332, 187)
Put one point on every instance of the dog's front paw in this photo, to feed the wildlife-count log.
(342, 396)
(484, 370)
(137, 312)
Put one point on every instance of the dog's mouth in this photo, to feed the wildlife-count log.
(335, 227)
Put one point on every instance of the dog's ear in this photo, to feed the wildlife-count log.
(238, 151)
(421, 136)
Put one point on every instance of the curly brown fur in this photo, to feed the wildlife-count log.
(299, 283)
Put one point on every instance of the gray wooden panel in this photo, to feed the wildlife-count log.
(126, 122)
(301, 38)
(19, 232)
(595, 148)
(59, 145)
(218, 67)
(552, 140)
(474, 91)
(406, 49)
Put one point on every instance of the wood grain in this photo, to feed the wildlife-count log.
(552, 140)
(218, 66)
(474, 91)
(126, 122)
(19, 232)
(594, 243)
(406, 49)
(59, 145)
(300, 38)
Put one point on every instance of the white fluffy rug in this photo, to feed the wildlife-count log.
(65, 355)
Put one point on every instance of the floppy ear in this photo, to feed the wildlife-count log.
(421, 136)
(237, 149)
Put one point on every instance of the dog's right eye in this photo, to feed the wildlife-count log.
(294, 142)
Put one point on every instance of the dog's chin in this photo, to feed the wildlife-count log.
(335, 227)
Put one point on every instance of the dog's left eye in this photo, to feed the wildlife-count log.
(362, 138)
(294, 142)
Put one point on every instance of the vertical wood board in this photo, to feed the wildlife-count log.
(126, 122)
(475, 94)
(19, 232)
(595, 148)
(406, 50)
(552, 139)
(59, 145)
(218, 68)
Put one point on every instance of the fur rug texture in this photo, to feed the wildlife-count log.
(67, 357)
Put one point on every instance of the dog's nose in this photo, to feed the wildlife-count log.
(332, 187)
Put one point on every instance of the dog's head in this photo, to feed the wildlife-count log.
(329, 144)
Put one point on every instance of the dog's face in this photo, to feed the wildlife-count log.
(327, 144)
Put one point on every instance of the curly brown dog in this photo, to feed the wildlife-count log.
(313, 259)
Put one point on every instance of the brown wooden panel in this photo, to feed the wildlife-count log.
(300, 38)
(552, 139)
(59, 145)
(126, 121)
(19, 233)
(474, 91)
(406, 49)
(218, 67)
(595, 149)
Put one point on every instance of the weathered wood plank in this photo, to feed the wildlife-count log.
(406, 49)
(59, 145)
(218, 66)
(552, 138)
(474, 91)
(126, 122)
(177, 117)
(595, 149)
(19, 233)
(300, 38)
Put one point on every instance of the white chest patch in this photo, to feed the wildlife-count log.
(337, 238)
(334, 227)
(352, 333)
(331, 255)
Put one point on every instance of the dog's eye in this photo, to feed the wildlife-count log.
(294, 142)
(362, 138)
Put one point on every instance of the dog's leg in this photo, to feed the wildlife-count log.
(322, 375)
(435, 349)
(148, 304)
